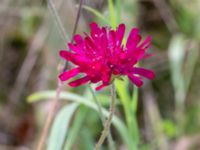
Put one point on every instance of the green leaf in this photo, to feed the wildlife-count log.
(74, 130)
(118, 9)
(96, 13)
(76, 98)
(129, 107)
(176, 57)
(134, 102)
(191, 62)
(169, 128)
(112, 14)
(60, 127)
(88, 143)
(122, 91)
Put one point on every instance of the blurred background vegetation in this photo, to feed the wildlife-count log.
(168, 108)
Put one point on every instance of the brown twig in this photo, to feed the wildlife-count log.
(109, 120)
(50, 117)
(103, 119)
(52, 110)
(167, 15)
(75, 28)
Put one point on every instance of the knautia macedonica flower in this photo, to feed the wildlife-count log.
(101, 56)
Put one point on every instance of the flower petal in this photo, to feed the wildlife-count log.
(69, 74)
(76, 48)
(65, 54)
(133, 38)
(106, 75)
(95, 30)
(74, 58)
(102, 54)
(91, 46)
(136, 80)
(101, 86)
(79, 81)
(120, 34)
(144, 72)
(104, 41)
(148, 55)
(111, 40)
(78, 39)
(146, 43)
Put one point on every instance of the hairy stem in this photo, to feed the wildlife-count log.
(110, 139)
(109, 120)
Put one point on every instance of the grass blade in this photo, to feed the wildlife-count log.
(74, 130)
(119, 125)
(96, 13)
(60, 127)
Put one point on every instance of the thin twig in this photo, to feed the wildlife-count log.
(167, 15)
(75, 28)
(97, 103)
(50, 117)
(52, 110)
(77, 19)
(52, 8)
(109, 120)
(110, 139)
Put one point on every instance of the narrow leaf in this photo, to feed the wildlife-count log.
(96, 13)
(76, 98)
(76, 126)
(60, 127)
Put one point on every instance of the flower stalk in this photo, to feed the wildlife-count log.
(109, 120)
(103, 119)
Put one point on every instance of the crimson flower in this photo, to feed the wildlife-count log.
(101, 56)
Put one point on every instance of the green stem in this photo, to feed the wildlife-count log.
(118, 11)
(135, 99)
(112, 13)
(129, 106)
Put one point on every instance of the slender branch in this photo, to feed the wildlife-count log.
(52, 9)
(52, 110)
(110, 139)
(167, 15)
(50, 117)
(97, 103)
(75, 28)
(77, 19)
(109, 120)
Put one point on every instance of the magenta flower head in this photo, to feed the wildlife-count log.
(101, 56)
